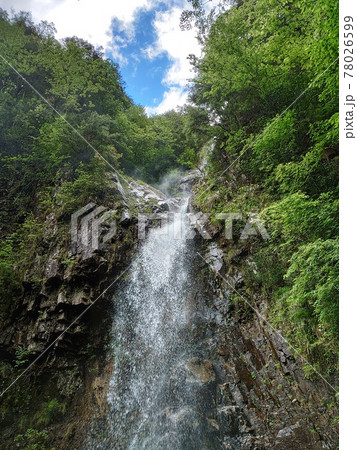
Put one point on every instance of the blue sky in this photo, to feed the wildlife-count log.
(143, 36)
(142, 75)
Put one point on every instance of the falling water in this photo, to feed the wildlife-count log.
(157, 396)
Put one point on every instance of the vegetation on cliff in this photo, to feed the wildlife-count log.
(269, 81)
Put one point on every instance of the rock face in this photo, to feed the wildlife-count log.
(187, 181)
(144, 195)
(261, 398)
(214, 257)
(251, 390)
(58, 289)
(201, 371)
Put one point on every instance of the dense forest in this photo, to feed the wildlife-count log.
(264, 93)
(269, 82)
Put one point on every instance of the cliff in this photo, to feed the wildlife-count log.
(250, 385)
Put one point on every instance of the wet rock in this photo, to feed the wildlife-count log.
(198, 222)
(125, 217)
(61, 299)
(213, 423)
(80, 298)
(201, 371)
(143, 193)
(147, 197)
(228, 419)
(214, 257)
(50, 228)
(52, 273)
(163, 205)
(297, 437)
(120, 187)
(186, 182)
(53, 295)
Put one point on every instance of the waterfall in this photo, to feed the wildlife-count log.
(158, 395)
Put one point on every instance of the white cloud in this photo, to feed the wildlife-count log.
(177, 45)
(87, 19)
(173, 97)
(39, 8)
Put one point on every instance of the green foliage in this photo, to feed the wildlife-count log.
(49, 412)
(28, 235)
(189, 158)
(309, 302)
(259, 56)
(267, 78)
(267, 273)
(159, 144)
(7, 262)
(32, 439)
(298, 219)
(241, 307)
(89, 183)
(276, 146)
(16, 254)
(21, 357)
(317, 169)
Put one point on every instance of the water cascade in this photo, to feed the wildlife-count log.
(159, 392)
